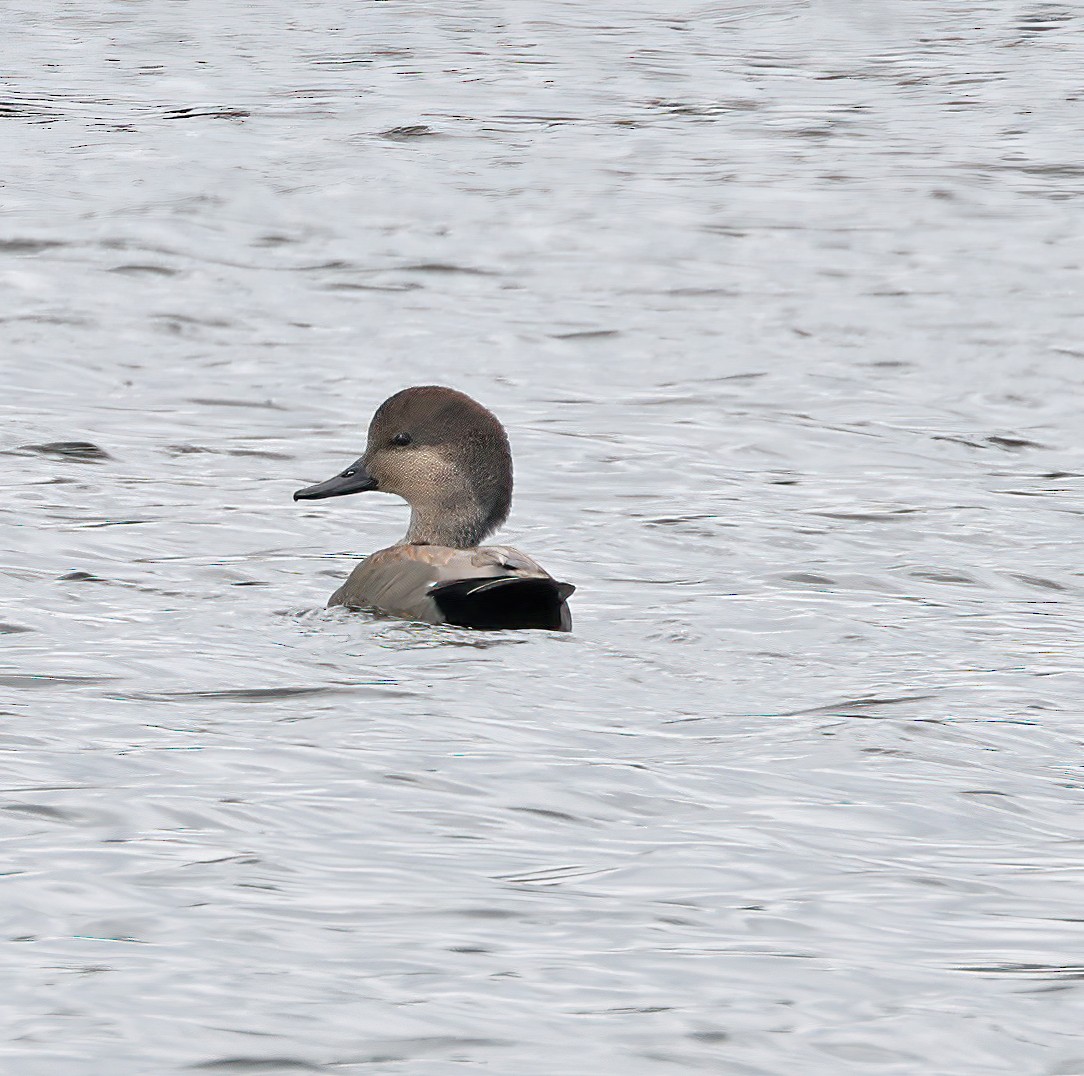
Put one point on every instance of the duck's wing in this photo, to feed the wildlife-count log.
(503, 588)
(484, 587)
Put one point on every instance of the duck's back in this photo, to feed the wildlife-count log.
(481, 587)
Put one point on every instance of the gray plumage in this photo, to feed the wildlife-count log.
(449, 458)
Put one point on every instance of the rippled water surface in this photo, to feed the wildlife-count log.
(781, 304)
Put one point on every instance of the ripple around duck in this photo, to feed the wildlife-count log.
(50, 681)
(82, 451)
(262, 694)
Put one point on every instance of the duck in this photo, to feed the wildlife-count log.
(449, 458)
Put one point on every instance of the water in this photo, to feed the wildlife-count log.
(781, 306)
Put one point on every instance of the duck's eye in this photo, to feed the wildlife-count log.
(402, 439)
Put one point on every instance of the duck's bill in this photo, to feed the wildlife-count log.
(355, 479)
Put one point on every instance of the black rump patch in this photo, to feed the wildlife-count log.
(505, 602)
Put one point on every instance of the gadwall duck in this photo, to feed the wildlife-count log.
(448, 458)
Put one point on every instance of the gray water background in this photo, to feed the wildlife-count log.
(781, 304)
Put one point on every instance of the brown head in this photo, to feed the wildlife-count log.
(444, 454)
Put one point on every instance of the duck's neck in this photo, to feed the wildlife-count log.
(460, 526)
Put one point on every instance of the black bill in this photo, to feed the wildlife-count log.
(355, 479)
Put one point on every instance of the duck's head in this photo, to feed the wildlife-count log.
(444, 454)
